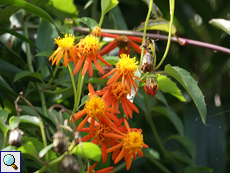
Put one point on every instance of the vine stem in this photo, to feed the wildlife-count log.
(79, 86)
(144, 33)
(74, 88)
(184, 41)
(42, 97)
(172, 5)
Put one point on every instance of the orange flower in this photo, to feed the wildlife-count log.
(100, 138)
(95, 108)
(123, 42)
(125, 69)
(67, 47)
(131, 143)
(88, 48)
(105, 170)
(115, 93)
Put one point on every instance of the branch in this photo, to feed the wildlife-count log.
(161, 37)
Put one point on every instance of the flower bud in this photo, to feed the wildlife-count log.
(147, 63)
(68, 21)
(70, 165)
(15, 137)
(96, 32)
(60, 143)
(122, 42)
(151, 85)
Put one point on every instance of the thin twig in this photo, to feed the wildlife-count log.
(184, 41)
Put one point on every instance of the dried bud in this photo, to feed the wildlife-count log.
(96, 32)
(106, 70)
(70, 165)
(15, 137)
(147, 63)
(151, 85)
(60, 143)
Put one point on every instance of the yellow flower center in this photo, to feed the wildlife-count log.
(127, 65)
(120, 92)
(102, 128)
(89, 45)
(67, 42)
(133, 141)
(95, 107)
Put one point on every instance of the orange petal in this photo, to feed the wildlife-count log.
(82, 124)
(125, 111)
(58, 57)
(140, 153)
(91, 90)
(103, 60)
(128, 161)
(131, 105)
(112, 45)
(135, 46)
(127, 125)
(104, 147)
(86, 66)
(91, 127)
(120, 156)
(114, 78)
(86, 138)
(98, 66)
(136, 39)
(90, 67)
(79, 64)
(109, 35)
(108, 74)
(65, 58)
(78, 115)
(114, 147)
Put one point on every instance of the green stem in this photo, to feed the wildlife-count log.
(79, 87)
(4, 141)
(160, 166)
(144, 33)
(101, 20)
(54, 73)
(172, 5)
(74, 88)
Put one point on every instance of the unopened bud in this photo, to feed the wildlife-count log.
(60, 143)
(68, 21)
(147, 63)
(96, 32)
(151, 85)
(15, 137)
(70, 165)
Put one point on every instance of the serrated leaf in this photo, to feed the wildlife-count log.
(158, 24)
(190, 85)
(186, 142)
(172, 116)
(22, 37)
(28, 76)
(3, 115)
(88, 150)
(107, 5)
(167, 86)
(221, 24)
(88, 21)
(28, 7)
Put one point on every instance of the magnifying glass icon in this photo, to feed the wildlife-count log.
(9, 160)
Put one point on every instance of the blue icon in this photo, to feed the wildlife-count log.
(9, 160)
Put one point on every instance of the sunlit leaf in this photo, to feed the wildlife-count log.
(45, 150)
(107, 5)
(190, 85)
(186, 142)
(167, 86)
(28, 76)
(158, 24)
(151, 153)
(88, 150)
(3, 126)
(172, 116)
(221, 24)
(28, 7)
(28, 149)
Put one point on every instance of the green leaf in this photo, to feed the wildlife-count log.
(3, 115)
(221, 24)
(107, 5)
(9, 148)
(28, 76)
(84, 99)
(3, 126)
(167, 86)
(8, 69)
(22, 37)
(190, 85)
(45, 53)
(28, 7)
(186, 142)
(13, 122)
(155, 10)
(88, 150)
(7, 12)
(161, 97)
(7, 90)
(158, 24)
(29, 119)
(172, 116)
(151, 153)
(28, 148)
(88, 21)
(45, 150)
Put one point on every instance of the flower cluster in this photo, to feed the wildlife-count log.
(99, 116)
